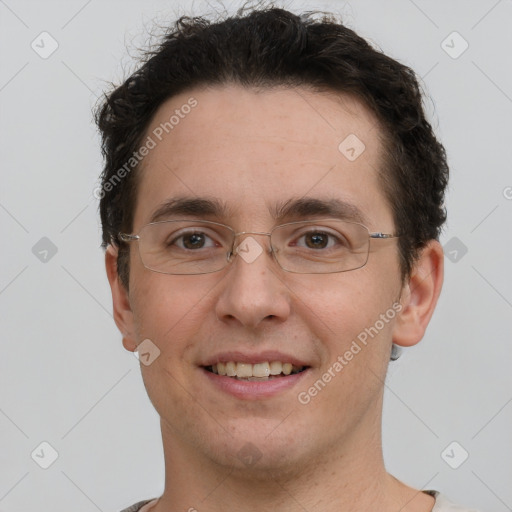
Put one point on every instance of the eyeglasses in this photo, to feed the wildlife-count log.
(185, 247)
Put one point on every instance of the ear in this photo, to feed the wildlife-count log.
(123, 315)
(419, 296)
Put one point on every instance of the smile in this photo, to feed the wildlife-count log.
(255, 372)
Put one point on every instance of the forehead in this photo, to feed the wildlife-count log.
(255, 150)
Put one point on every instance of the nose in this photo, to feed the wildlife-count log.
(253, 292)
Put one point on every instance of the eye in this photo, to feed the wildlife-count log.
(193, 240)
(319, 239)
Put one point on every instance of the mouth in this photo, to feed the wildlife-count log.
(258, 372)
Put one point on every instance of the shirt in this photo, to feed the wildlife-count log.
(442, 504)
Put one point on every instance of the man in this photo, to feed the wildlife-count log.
(271, 204)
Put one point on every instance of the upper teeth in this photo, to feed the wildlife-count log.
(233, 369)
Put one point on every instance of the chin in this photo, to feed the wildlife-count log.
(260, 449)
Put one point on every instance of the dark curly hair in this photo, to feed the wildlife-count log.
(270, 47)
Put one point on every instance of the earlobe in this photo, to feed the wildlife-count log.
(419, 296)
(123, 315)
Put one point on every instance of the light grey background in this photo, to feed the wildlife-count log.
(64, 375)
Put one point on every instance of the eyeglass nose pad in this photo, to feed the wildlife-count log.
(230, 255)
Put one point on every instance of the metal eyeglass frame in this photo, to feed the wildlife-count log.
(131, 237)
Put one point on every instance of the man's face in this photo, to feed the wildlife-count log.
(253, 151)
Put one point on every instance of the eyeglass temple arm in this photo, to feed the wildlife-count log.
(127, 238)
(383, 235)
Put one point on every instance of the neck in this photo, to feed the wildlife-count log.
(348, 478)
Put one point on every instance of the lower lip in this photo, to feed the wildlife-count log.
(254, 390)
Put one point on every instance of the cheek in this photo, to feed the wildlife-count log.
(171, 311)
(342, 305)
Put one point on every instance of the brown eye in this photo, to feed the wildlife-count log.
(317, 240)
(193, 241)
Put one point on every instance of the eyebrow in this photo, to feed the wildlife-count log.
(294, 208)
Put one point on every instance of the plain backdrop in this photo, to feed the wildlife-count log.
(65, 378)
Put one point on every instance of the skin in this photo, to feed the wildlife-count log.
(252, 149)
